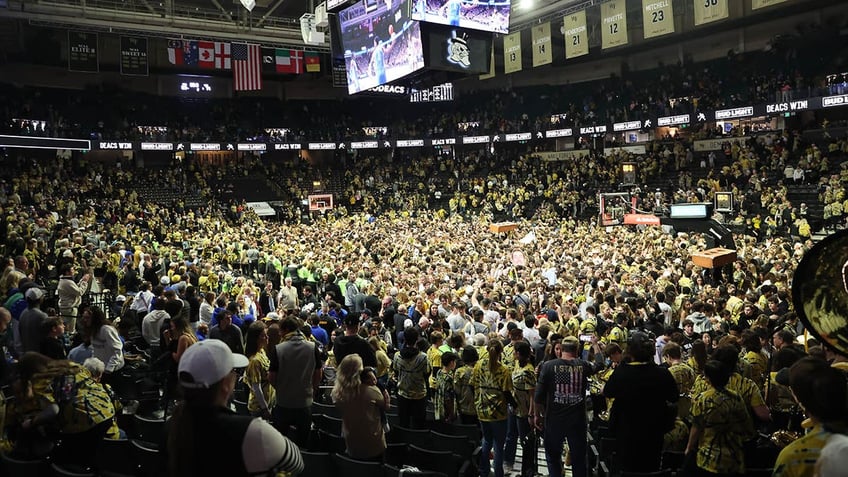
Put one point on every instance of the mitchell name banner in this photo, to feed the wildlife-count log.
(576, 35)
(657, 18)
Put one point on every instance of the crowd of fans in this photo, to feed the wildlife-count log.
(407, 305)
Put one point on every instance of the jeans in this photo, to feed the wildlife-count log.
(519, 430)
(299, 418)
(574, 430)
(494, 437)
(412, 413)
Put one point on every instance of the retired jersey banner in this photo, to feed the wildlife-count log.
(657, 18)
(613, 24)
(134, 56)
(82, 52)
(542, 54)
(757, 4)
(576, 35)
(491, 73)
(512, 53)
(707, 11)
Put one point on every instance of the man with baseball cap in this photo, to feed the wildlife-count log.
(31, 320)
(207, 375)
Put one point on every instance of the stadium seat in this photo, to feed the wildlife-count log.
(356, 468)
(332, 443)
(456, 444)
(330, 424)
(445, 462)
(470, 431)
(319, 464)
(148, 459)
(395, 453)
(672, 460)
(115, 458)
(13, 467)
(325, 409)
(419, 437)
(58, 470)
(151, 431)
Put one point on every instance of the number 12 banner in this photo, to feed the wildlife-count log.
(613, 24)
(657, 18)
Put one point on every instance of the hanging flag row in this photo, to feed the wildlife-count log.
(658, 19)
(219, 56)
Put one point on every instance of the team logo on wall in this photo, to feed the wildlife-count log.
(458, 50)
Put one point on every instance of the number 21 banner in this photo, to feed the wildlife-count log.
(657, 18)
(576, 35)
(613, 24)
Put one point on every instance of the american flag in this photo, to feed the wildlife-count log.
(247, 66)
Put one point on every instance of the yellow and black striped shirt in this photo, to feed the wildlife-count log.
(725, 424)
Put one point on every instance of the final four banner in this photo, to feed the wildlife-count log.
(707, 11)
(134, 56)
(83, 52)
(657, 18)
(757, 4)
(542, 54)
(512, 53)
(613, 24)
(576, 35)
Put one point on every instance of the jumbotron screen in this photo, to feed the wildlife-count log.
(381, 43)
(488, 15)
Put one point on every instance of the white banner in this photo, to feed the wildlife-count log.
(562, 155)
(717, 144)
(637, 149)
(262, 209)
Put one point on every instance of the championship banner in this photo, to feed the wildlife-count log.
(707, 11)
(542, 54)
(134, 56)
(657, 18)
(82, 52)
(576, 35)
(512, 53)
(757, 4)
(491, 73)
(613, 24)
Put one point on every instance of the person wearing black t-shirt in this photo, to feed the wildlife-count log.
(560, 410)
(644, 394)
(352, 343)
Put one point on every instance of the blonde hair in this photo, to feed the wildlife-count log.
(348, 379)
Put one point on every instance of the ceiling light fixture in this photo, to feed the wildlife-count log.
(248, 4)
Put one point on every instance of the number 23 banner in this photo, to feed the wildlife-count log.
(657, 18)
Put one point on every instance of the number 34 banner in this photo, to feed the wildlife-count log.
(657, 18)
(613, 24)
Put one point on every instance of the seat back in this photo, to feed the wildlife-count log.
(13, 467)
(455, 444)
(325, 409)
(330, 424)
(318, 464)
(151, 431)
(659, 473)
(445, 462)
(115, 456)
(149, 459)
(332, 443)
(356, 468)
(418, 437)
(64, 471)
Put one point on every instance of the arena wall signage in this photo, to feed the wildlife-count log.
(438, 93)
(646, 124)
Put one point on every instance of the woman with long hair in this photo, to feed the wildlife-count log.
(106, 343)
(698, 356)
(207, 378)
(262, 397)
(492, 383)
(361, 403)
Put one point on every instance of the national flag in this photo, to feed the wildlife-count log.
(247, 66)
(269, 60)
(222, 56)
(313, 62)
(289, 61)
(206, 54)
(182, 52)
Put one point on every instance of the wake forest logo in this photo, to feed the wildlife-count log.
(458, 50)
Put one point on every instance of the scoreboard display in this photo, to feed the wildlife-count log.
(487, 15)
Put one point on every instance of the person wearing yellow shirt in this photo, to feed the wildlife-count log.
(820, 390)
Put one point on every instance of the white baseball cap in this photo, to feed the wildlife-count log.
(34, 293)
(207, 362)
